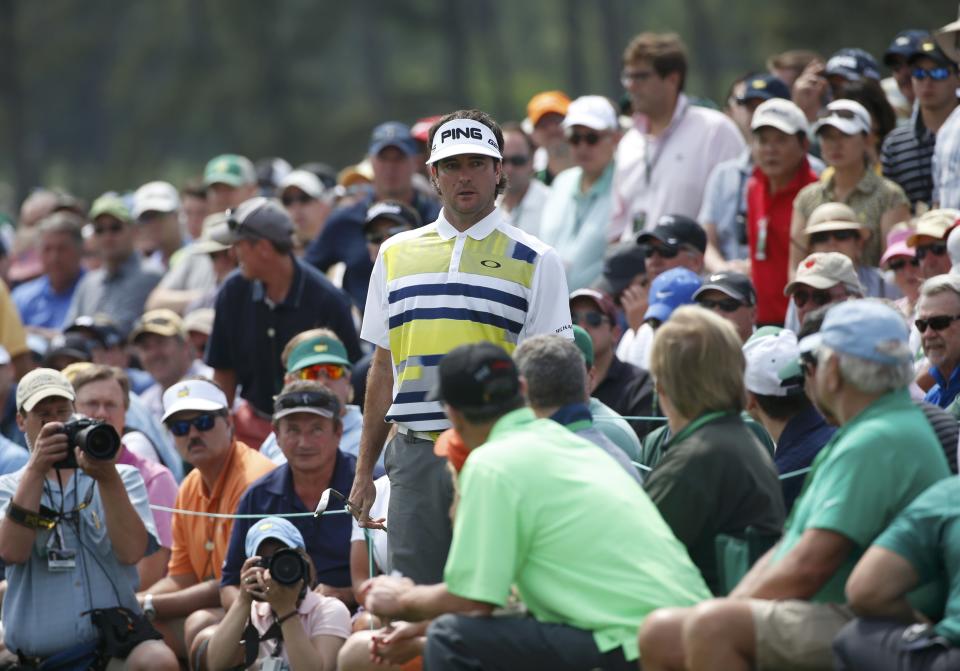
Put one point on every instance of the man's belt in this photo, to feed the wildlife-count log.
(430, 436)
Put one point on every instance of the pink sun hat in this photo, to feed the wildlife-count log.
(897, 246)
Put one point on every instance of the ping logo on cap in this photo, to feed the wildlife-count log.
(457, 133)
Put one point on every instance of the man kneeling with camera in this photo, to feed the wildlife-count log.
(277, 618)
(74, 527)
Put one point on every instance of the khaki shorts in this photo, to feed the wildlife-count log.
(796, 635)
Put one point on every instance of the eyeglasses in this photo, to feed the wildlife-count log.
(818, 297)
(808, 362)
(725, 304)
(840, 236)
(303, 199)
(590, 318)
(936, 74)
(318, 371)
(899, 264)
(114, 228)
(590, 138)
(662, 252)
(937, 323)
(935, 248)
(306, 399)
(202, 423)
(516, 161)
(627, 77)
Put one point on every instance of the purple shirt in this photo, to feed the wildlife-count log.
(161, 491)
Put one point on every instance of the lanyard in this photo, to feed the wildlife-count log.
(694, 425)
(650, 162)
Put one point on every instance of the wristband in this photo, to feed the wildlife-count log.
(29, 518)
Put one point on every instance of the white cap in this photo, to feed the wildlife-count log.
(304, 180)
(766, 356)
(41, 383)
(781, 114)
(953, 249)
(155, 197)
(847, 116)
(196, 395)
(463, 136)
(594, 112)
(4, 356)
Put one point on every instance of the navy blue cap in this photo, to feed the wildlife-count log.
(904, 44)
(928, 48)
(853, 65)
(392, 134)
(764, 86)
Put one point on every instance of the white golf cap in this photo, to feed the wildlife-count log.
(194, 395)
(781, 114)
(463, 136)
(155, 197)
(304, 180)
(847, 116)
(766, 355)
(594, 112)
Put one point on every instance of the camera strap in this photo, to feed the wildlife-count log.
(252, 638)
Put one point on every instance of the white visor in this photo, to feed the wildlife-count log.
(463, 136)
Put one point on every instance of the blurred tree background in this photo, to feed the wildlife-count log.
(99, 94)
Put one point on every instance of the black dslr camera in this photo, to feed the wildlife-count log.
(95, 437)
(287, 566)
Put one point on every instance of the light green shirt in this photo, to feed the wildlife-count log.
(582, 543)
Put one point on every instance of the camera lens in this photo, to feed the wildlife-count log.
(286, 567)
(99, 441)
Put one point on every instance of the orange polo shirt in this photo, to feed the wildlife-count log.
(200, 543)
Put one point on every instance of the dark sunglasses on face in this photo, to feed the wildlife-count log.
(899, 264)
(590, 138)
(517, 161)
(724, 304)
(590, 318)
(303, 199)
(936, 74)
(202, 423)
(662, 252)
(840, 236)
(937, 323)
(936, 248)
(114, 228)
(818, 297)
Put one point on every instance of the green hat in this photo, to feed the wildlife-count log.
(110, 204)
(230, 169)
(584, 342)
(763, 332)
(322, 349)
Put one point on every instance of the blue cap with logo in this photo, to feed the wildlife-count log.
(764, 86)
(392, 134)
(853, 65)
(863, 328)
(671, 290)
(905, 44)
(272, 527)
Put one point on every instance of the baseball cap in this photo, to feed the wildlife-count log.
(322, 402)
(322, 349)
(271, 171)
(197, 395)
(675, 230)
(853, 65)
(584, 343)
(784, 115)
(214, 227)
(100, 327)
(110, 204)
(41, 383)
(928, 48)
(397, 212)
(199, 321)
(766, 356)
(256, 217)
(555, 102)
(863, 328)
(478, 375)
(897, 246)
(764, 86)
(71, 345)
(304, 180)
(463, 136)
(420, 131)
(161, 322)
(834, 217)
(230, 169)
(276, 528)
(594, 112)
(669, 291)
(953, 249)
(904, 44)
(847, 116)
(621, 264)
(734, 285)
(391, 134)
(935, 224)
(155, 197)
(602, 300)
(823, 270)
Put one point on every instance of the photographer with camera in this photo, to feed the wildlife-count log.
(277, 618)
(74, 527)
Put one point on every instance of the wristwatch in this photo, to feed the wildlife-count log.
(149, 611)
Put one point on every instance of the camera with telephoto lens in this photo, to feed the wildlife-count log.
(287, 566)
(95, 437)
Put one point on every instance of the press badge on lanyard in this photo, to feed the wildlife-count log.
(272, 664)
(761, 253)
(60, 558)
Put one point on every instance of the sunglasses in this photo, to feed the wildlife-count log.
(840, 236)
(590, 138)
(818, 297)
(627, 77)
(725, 304)
(937, 323)
(306, 399)
(319, 371)
(590, 318)
(114, 228)
(202, 423)
(380, 238)
(303, 199)
(936, 248)
(662, 252)
(936, 74)
(899, 264)
(517, 161)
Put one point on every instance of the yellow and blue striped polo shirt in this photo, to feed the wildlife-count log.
(434, 288)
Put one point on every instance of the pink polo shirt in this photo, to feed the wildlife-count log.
(319, 615)
(161, 491)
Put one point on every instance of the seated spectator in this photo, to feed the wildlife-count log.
(730, 295)
(297, 628)
(161, 343)
(305, 200)
(782, 406)
(525, 195)
(199, 325)
(901, 260)
(938, 313)
(193, 196)
(85, 564)
(668, 291)
(156, 209)
(714, 477)
(188, 598)
(66, 349)
(360, 537)
(823, 278)
(585, 599)
(625, 388)
(384, 220)
(103, 393)
(929, 241)
(624, 280)
(545, 112)
(884, 454)
(109, 347)
(229, 180)
(919, 547)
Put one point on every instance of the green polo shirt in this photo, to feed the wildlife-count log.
(582, 543)
(872, 468)
(655, 442)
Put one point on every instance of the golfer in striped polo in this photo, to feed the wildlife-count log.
(468, 277)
